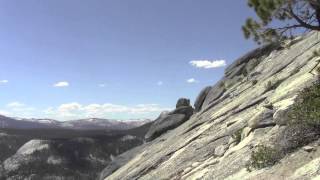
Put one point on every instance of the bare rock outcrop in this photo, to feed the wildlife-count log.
(200, 99)
(170, 120)
(251, 98)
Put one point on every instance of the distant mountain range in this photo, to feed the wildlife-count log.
(81, 124)
(59, 153)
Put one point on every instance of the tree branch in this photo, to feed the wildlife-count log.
(300, 21)
(290, 27)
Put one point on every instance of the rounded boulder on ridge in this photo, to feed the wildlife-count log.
(183, 102)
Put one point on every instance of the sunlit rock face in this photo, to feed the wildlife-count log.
(252, 96)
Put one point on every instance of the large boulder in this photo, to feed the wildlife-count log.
(200, 99)
(185, 110)
(170, 120)
(262, 119)
(183, 102)
(214, 93)
(164, 124)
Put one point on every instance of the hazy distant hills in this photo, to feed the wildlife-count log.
(7, 122)
(78, 149)
(96, 123)
(81, 124)
(61, 153)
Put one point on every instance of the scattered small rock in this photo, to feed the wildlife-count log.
(220, 150)
(231, 141)
(262, 119)
(308, 148)
(280, 117)
(245, 132)
(230, 123)
(195, 164)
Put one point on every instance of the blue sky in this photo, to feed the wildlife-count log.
(113, 59)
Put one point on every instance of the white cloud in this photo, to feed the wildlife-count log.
(206, 64)
(159, 83)
(15, 105)
(4, 81)
(18, 109)
(76, 110)
(61, 84)
(102, 85)
(192, 80)
(49, 111)
(70, 107)
(5, 113)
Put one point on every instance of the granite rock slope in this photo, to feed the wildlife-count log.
(252, 97)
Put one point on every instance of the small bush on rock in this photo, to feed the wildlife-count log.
(254, 82)
(303, 127)
(306, 110)
(295, 136)
(262, 157)
(303, 120)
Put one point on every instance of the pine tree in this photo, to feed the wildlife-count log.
(281, 19)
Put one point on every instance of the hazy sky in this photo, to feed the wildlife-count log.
(68, 59)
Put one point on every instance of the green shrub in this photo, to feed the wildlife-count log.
(303, 127)
(306, 109)
(262, 157)
(254, 82)
(296, 136)
(303, 120)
